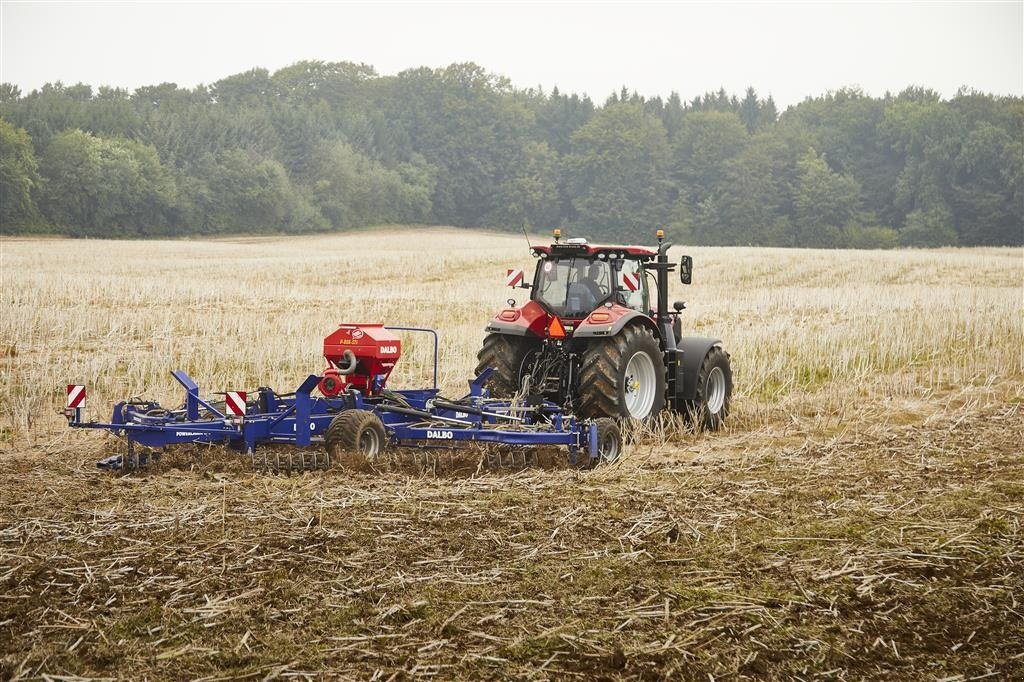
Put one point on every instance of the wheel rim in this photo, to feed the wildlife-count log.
(608, 449)
(640, 384)
(369, 442)
(716, 390)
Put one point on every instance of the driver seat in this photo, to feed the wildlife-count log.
(579, 298)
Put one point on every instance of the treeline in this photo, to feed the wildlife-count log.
(329, 146)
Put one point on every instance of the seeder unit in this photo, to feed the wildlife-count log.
(354, 412)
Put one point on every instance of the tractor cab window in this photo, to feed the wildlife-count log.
(631, 284)
(572, 287)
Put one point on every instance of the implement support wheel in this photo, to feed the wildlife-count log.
(355, 438)
(609, 444)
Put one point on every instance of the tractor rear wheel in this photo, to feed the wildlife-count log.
(622, 376)
(714, 391)
(506, 354)
(355, 438)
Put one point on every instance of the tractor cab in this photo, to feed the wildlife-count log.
(571, 282)
(587, 288)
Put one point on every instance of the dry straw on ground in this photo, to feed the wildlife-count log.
(860, 518)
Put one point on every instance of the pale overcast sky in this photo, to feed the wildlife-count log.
(787, 50)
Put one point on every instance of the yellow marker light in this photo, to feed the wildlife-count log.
(599, 317)
(557, 232)
(660, 234)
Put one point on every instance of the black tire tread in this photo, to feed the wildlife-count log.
(600, 389)
(505, 354)
(606, 428)
(697, 409)
(343, 435)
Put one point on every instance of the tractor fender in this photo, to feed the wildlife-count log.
(620, 318)
(529, 320)
(693, 349)
(508, 328)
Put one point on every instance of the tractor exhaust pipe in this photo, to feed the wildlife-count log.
(663, 267)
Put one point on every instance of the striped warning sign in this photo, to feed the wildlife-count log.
(513, 278)
(235, 401)
(76, 396)
(631, 280)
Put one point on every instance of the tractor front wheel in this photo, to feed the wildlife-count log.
(714, 391)
(355, 438)
(507, 355)
(622, 376)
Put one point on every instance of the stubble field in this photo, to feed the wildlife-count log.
(859, 518)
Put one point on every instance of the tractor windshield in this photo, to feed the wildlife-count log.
(572, 287)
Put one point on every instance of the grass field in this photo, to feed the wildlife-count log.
(860, 517)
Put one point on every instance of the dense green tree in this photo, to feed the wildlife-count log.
(559, 116)
(105, 187)
(704, 145)
(334, 145)
(465, 122)
(70, 166)
(18, 179)
(618, 173)
(532, 196)
(353, 190)
(252, 87)
(756, 113)
(845, 127)
(928, 228)
(247, 193)
(824, 203)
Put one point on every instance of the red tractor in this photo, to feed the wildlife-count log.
(597, 337)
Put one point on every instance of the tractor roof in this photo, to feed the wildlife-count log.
(587, 250)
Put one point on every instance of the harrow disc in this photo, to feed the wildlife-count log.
(289, 460)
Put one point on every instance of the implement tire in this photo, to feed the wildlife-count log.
(609, 444)
(622, 376)
(506, 354)
(355, 438)
(714, 391)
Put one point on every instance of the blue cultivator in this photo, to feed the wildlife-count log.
(353, 414)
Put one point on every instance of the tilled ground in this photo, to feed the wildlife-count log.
(893, 552)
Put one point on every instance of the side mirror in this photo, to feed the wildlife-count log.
(686, 270)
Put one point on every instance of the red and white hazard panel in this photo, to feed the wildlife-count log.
(631, 280)
(513, 278)
(235, 402)
(76, 396)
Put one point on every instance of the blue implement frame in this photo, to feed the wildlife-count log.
(411, 418)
